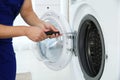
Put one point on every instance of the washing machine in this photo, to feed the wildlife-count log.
(89, 42)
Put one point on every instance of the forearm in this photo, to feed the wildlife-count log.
(10, 31)
(31, 18)
(29, 15)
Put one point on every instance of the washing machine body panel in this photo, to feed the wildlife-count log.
(107, 17)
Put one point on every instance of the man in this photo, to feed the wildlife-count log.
(9, 9)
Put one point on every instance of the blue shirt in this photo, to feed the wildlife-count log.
(9, 9)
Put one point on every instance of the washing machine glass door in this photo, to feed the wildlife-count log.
(56, 52)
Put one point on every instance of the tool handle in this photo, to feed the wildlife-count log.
(52, 32)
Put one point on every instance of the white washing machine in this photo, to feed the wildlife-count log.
(92, 42)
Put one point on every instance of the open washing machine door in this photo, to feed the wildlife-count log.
(56, 53)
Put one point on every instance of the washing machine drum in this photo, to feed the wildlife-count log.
(90, 48)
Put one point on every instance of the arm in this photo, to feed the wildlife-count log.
(9, 31)
(31, 18)
(34, 33)
(29, 15)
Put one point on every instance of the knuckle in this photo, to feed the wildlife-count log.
(36, 39)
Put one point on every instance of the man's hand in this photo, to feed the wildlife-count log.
(38, 33)
(35, 33)
(49, 27)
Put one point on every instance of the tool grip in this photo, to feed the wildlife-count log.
(52, 32)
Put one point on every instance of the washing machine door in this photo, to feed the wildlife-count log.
(56, 53)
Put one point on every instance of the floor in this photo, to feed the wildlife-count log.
(24, 76)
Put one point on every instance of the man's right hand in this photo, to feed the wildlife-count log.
(35, 33)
